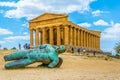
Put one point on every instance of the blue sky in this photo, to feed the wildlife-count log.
(101, 15)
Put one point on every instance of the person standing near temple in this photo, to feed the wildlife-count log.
(19, 46)
(94, 53)
(84, 51)
(72, 50)
(78, 50)
(28, 46)
(25, 46)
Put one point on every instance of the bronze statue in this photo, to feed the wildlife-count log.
(46, 53)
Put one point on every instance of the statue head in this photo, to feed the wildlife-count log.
(61, 49)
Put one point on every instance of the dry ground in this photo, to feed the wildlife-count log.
(73, 68)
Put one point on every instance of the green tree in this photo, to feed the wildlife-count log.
(117, 48)
(14, 48)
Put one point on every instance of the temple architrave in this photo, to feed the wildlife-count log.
(56, 29)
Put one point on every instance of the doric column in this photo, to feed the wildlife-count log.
(43, 36)
(87, 39)
(81, 41)
(78, 37)
(31, 37)
(74, 36)
(40, 37)
(98, 42)
(71, 42)
(37, 37)
(95, 42)
(66, 29)
(83, 38)
(58, 36)
(51, 35)
(90, 40)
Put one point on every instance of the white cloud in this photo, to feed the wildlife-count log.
(5, 31)
(111, 33)
(86, 25)
(26, 37)
(25, 33)
(25, 24)
(8, 4)
(98, 12)
(32, 8)
(101, 23)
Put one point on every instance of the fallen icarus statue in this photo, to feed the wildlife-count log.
(46, 53)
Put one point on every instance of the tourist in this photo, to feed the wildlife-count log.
(94, 53)
(25, 46)
(28, 46)
(19, 46)
(78, 50)
(72, 50)
(84, 51)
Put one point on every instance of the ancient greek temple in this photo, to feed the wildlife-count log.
(56, 29)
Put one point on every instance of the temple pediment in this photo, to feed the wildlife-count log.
(48, 16)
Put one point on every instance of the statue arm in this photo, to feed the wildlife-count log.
(43, 46)
(16, 55)
(54, 60)
(53, 63)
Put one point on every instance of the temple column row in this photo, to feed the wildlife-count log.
(81, 38)
(93, 41)
(72, 36)
(51, 34)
